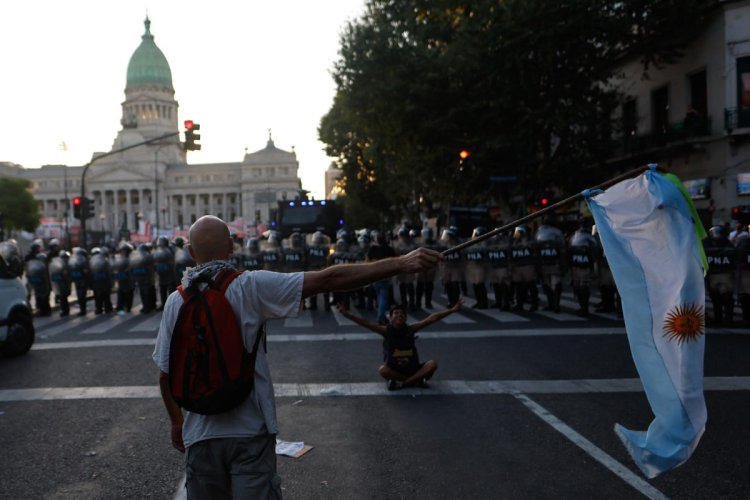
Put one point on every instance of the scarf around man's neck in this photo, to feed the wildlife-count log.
(203, 272)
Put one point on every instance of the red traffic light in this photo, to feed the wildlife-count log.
(76, 201)
(188, 124)
(545, 201)
(463, 154)
(735, 210)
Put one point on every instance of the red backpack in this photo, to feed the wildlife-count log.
(210, 371)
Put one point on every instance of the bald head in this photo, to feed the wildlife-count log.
(209, 240)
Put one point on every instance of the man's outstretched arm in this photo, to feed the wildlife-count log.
(350, 276)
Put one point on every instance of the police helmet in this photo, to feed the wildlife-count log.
(104, 251)
(427, 234)
(11, 264)
(144, 247)
(125, 248)
(35, 247)
(717, 232)
(41, 256)
(96, 251)
(296, 240)
(64, 255)
(253, 245)
(403, 232)
(162, 241)
(273, 238)
(80, 251)
(179, 241)
(341, 245)
(478, 231)
(521, 231)
(413, 233)
(54, 242)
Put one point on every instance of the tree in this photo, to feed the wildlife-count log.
(523, 84)
(18, 206)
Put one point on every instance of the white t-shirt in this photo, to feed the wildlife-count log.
(255, 296)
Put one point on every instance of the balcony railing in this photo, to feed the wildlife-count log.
(687, 130)
(735, 118)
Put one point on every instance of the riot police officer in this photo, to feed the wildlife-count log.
(722, 263)
(182, 258)
(38, 277)
(271, 253)
(142, 270)
(550, 245)
(101, 280)
(476, 268)
(236, 258)
(165, 270)
(78, 268)
(60, 278)
(405, 244)
(452, 267)
(607, 288)
(742, 242)
(294, 254)
(524, 259)
(252, 260)
(341, 255)
(498, 260)
(317, 258)
(583, 253)
(121, 275)
(426, 279)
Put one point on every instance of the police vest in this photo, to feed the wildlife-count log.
(476, 256)
(523, 255)
(721, 259)
(251, 262)
(581, 257)
(453, 258)
(497, 257)
(271, 258)
(549, 255)
(293, 257)
(316, 256)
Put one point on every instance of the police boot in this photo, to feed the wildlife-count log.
(498, 296)
(583, 299)
(480, 293)
(313, 303)
(745, 306)
(608, 299)
(428, 295)
(550, 298)
(418, 293)
(534, 297)
(728, 301)
(327, 301)
(557, 294)
(520, 296)
(454, 292)
(718, 309)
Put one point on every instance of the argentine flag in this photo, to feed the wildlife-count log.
(651, 239)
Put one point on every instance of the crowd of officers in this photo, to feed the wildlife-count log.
(513, 265)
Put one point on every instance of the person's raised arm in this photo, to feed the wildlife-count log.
(350, 276)
(437, 316)
(375, 327)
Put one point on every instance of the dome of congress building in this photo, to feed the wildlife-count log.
(148, 65)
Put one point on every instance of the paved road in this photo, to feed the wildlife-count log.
(522, 406)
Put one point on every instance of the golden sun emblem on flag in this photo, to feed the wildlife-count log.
(684, 323)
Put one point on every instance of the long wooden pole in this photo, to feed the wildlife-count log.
(554, 206)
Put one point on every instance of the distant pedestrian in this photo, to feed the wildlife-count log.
(401, 366)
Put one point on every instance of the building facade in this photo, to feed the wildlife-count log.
(693, 117)
(154, 183)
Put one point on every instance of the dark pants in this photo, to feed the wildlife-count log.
(233, 468)
(102, 301)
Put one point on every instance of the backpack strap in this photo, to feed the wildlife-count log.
(224, 278)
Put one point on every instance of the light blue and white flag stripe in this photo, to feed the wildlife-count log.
(650, 242)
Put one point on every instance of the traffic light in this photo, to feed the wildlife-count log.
(77, 207)
(544, 201)
(463, 154)
(87, 208)
(191, 137)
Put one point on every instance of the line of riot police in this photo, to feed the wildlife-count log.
(728, 275)
(143, 270)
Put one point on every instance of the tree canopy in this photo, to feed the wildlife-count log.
(17, 205)
(523, 85)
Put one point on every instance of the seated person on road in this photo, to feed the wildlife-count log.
(401, 367)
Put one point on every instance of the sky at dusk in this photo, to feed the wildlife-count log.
(238, 68)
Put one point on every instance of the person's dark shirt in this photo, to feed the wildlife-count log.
(377, 252)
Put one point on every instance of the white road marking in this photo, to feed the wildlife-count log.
(105, 325)
(502, 316)
(594, 451)
(437, 388)
(561, 316)
(69, 324)
(150, 325)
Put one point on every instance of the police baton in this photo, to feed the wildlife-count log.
(554, 206)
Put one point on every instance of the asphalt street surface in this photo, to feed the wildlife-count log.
(522, 406)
